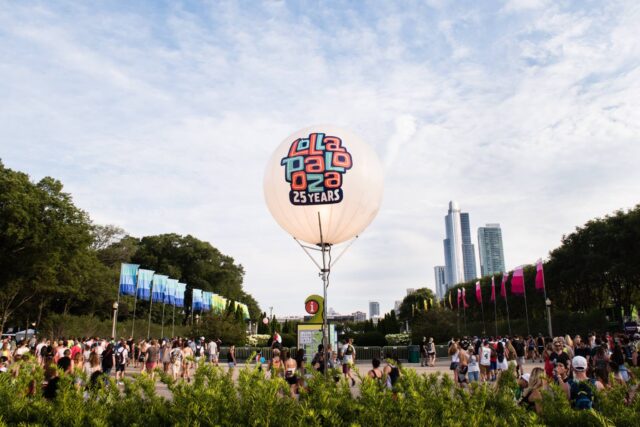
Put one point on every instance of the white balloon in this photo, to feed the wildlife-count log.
(328, 171)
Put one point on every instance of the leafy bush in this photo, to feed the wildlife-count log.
(214, 398)
(370, 339)
(258, 340)
(398, 339)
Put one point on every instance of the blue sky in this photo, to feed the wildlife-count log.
(160, 117)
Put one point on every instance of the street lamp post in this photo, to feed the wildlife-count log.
(115, 319)
(548, 304)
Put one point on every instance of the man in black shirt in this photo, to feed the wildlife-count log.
(64, 362)
(518, 345)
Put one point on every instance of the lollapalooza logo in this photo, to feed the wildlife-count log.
(314, 167)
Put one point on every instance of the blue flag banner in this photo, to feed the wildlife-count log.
(144, 284)
(206, 301)
(170, 292)
(196, 299)
(179, 295)
(159, 287)
(128, 278)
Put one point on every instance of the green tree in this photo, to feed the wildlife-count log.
(45, 255)
(415, 302)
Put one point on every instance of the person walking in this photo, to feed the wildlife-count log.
(349, 359)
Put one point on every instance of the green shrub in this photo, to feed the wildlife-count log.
(214, 398)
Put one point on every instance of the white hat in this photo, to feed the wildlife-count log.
(579, 363)
(525, 377)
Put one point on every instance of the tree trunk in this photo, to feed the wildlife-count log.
(40, 307)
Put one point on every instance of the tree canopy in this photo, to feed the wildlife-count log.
(53, 259)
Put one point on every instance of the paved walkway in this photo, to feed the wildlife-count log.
(442, 366)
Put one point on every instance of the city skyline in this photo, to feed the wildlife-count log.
(459, 250)
(162, 117)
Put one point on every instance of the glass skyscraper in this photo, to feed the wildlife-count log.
(490, 249)
(441, 284)
(459, 252)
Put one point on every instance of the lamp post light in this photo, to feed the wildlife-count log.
(115, 320)
(548, 304)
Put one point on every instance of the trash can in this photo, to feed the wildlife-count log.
(414, 354)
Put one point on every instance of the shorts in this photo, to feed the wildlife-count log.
(540, 349)
(213, 358)
(493, 366)
(484, 369)
(232, 365)
(120, 367)
(520, 361)
(151, 366)
(346, 367)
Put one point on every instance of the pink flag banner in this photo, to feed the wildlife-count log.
(478, 293)
(464, 298)
(517, 282)
(503, 287)
(459, 296)
(493, 289)
(539, 277)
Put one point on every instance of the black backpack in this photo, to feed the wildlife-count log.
(120, 356)
(198, 350)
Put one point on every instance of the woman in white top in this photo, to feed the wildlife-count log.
(474, 368)
(454, 353)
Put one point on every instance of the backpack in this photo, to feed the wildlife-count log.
(582, 394)
(349, 350)
(198, 350)
(394, 374)
(120, 356)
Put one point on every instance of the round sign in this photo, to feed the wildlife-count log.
(323, 175)
(311, 307)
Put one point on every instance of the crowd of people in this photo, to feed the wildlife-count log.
(579, 366)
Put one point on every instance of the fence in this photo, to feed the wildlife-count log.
(362, 353)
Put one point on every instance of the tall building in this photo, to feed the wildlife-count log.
(374, 309)
(490, 249)
(459, 252)
(396, 307)
(441, 284)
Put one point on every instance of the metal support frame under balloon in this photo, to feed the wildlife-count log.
(325, 271)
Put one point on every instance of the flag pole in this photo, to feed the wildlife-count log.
(162, 328)
(547, 313)
(506, 303)
(150, 308)
(526, 312)
(458, 315)
(484, 329)
(495, 313)
(135, 302)
(173, 326)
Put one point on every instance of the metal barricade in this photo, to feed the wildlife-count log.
(368, 353)
(401, 352)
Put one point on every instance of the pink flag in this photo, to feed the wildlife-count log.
(539, 277)
(493, 289)
(517, 281)
(478, 293)
(503, 287)
(459, 296)
(464, 298)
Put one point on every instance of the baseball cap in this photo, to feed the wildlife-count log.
(579, 363)
(525, 377)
